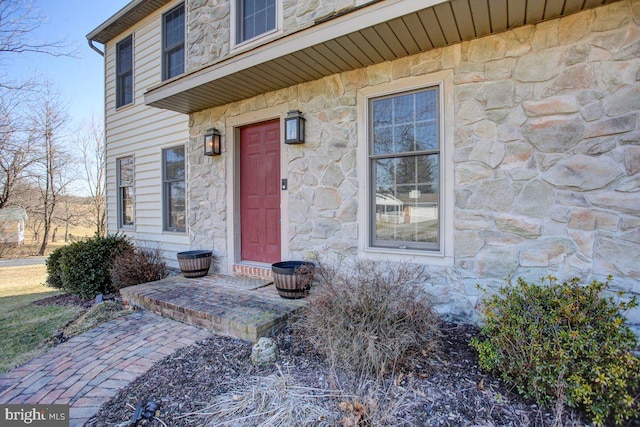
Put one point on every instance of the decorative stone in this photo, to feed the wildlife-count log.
(547, 252)
(577, 77)
(550, 106)
(536, 199)
(612, 126)
(489, 152)
(487, 49)
(626, 202)
(624, 100)
(538, 67)
(468, 243)
(327, 198)
(554, 135)
(521, 226)
(492, 194)
(497, 94)
(593, 219)
(616, 257)
(583, 172)
(264, 352)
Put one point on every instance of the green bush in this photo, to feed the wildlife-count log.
(563, 343)
(367, 316)
(83, 268)
(54, 273)
(137, 265)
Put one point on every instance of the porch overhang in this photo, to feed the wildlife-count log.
(373, 33)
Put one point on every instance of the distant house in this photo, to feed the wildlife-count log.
(482, 139)
(12, 221)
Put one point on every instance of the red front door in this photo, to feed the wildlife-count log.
(260, 192)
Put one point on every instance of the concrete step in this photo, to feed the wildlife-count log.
(235, 306)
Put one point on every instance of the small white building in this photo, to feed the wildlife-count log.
(12, 222)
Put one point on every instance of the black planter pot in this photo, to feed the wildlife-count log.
(194, 263)
(293, 278)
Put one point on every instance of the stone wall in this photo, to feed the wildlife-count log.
(546, 156)
(208, 23)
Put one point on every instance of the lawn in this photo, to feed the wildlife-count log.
(25, 327)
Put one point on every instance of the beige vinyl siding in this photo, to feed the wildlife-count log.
(143, 132)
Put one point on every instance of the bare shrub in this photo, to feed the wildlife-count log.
(366, 316)
(138, 265)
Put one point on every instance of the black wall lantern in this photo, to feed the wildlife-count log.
(212, 145)
(294, 128)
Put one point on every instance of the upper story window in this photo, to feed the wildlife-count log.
(404, 160)
(254, 17)
(125, 192)
(173, 33)
(124, 72)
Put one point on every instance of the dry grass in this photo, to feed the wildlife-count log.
(276, 400)
(96, 315)
(25, 327)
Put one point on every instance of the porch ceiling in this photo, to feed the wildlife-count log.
(378, 32)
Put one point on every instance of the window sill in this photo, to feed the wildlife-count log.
(255, 41)
(412, 255)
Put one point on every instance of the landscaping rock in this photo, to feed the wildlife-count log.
(264, 352)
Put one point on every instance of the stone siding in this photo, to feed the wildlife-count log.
(209, 25)
(546, 155)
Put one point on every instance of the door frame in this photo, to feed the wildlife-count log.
(232, 144)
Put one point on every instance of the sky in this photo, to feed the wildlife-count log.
(80, 80)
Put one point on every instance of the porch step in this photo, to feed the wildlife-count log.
(227, 305)
(253, 271)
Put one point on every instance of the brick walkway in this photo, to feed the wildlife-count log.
(89, 369)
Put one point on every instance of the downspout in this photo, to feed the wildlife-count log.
(101, 53)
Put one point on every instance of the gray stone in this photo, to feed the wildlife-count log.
(536, 199)
(487, 49)
(490, 152)
(592, 112)
(576, 77)
(577, 53)
(619, 258)
(470, 172)
(495, 262)
(499, 70)
(612, 126)
(611, 17)
(546, 252)
(624, 100)
(632, 159)
(520, 225)
(549, 106)
(492, 194)
(468, 244)
(264, 352)
(538, 67)
(497, 94)
(554, 135)
(625, 202)
(583, 172)
(593, 219)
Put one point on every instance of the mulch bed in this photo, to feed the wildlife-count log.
(446, 389)
(64, 299)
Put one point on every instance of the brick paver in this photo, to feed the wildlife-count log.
(89, 369)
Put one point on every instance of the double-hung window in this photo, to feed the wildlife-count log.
(254, 17)
(125, 192)
(174, 174)
(173, 33)
(404, 163)
(124, 72)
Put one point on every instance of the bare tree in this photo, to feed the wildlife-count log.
(92, 144)
(18, 20)
(17, 151)
(55, 173)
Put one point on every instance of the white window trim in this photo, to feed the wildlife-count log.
(443, 79)
(119, 224)
(233, 28)
(133, 72)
